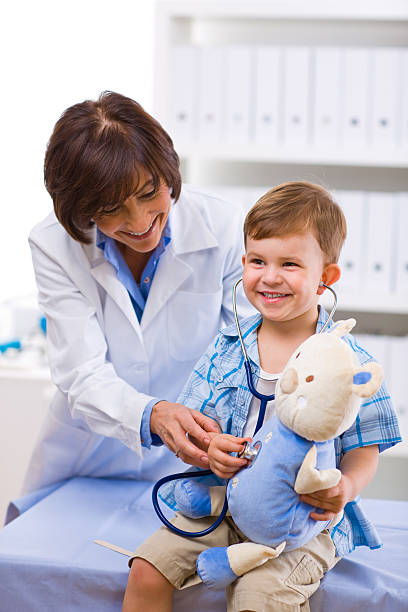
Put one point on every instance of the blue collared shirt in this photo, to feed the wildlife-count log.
(218, 388)
(138, 295)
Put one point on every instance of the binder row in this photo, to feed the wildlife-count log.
(391, 352)
(374, 258)
(375, 253)
(348, 97)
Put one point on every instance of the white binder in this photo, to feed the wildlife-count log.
(210, 93)
(354, 122)
(403, 116)
(268, 93)
(351, 257)
(326, 96)
(296, 98)
(381, 214)
(183, 92)
(385, 96)
(238, 70)
(401, 244)
(397, 382)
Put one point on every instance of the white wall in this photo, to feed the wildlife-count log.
(55, 54)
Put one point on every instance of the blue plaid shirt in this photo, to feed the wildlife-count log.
(218, 388)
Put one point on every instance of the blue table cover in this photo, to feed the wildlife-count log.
(49, 561)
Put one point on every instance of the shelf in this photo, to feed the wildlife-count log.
(276, 154)
(368, 302)
(364, 10)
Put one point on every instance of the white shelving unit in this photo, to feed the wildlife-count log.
(365, 24)
(286, 155)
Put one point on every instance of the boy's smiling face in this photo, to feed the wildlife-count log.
(282, 274)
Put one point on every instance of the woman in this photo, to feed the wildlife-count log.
(135, 274)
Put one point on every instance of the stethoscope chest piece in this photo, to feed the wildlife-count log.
(251, 451)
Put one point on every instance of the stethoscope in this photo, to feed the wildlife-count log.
(250, 451)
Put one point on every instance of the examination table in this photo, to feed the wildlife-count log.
(49, 561)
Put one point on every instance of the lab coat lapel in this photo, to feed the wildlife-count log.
(105, 275)
(170, 274)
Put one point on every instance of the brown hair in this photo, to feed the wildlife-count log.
(92, 159)
(297, 207)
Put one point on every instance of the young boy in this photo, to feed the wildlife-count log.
(293, 237)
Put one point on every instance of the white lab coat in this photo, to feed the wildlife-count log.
(106, 365)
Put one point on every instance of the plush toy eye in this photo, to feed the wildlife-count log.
(309, 378)
(297, 355)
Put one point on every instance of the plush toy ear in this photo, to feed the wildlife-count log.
(289, 381)
(342, 328)
(367, 379)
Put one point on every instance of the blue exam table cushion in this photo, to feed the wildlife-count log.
(48, 558)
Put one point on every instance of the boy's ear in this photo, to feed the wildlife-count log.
(330, 275)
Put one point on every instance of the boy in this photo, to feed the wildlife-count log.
(293, 236)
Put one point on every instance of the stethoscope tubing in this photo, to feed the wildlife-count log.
(264, 399)
(165, 521)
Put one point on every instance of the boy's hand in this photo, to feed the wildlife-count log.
(221, 462)
(331, 501)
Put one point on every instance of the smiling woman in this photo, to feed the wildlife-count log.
(119, 266)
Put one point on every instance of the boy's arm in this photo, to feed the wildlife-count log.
(358, 467)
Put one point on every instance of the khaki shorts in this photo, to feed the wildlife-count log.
(283, 584)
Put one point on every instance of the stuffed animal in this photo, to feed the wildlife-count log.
(317, 398)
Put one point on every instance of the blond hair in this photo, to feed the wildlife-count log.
(295, 208)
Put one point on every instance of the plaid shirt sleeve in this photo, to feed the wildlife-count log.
(376, 422)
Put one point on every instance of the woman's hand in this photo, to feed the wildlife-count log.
(172, 422)
(221, 462)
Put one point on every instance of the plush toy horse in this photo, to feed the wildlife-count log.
(317, 398)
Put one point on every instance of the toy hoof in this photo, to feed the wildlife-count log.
(214, 568)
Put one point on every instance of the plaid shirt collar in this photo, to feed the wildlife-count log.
(229, 359)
